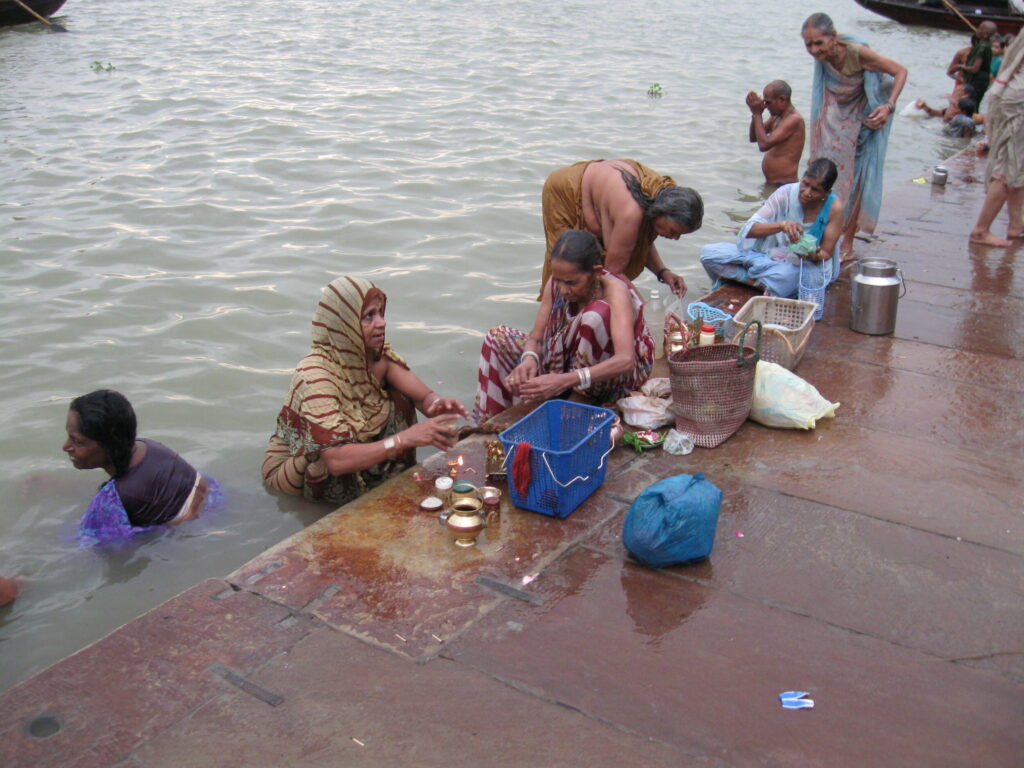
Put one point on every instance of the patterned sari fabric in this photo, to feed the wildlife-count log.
(334, 399)
(841, 100)
(573, 338)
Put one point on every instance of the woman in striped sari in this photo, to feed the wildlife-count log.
(348, 422)
(589, 341)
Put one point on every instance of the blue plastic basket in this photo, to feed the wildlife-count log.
(719, 318)
(569, 445)
(812, 285)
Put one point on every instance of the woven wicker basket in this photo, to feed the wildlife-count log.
(712, 389)
(787, 327)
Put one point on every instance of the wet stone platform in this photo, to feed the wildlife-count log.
(880, 568)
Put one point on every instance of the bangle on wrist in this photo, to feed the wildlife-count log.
(891, 106)
(427, 406)
(659, 274)
(584, 376)
(529, 353)
(390, 448)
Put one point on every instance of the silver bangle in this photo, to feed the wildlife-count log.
(584, 375)
(389, 447)
(529, 353)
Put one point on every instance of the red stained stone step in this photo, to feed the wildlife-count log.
(947, 598)
(928, 407)
(696, 667)
(388, 573)
(932, 487)
(346, 704)
(138, 680)
(953, 365)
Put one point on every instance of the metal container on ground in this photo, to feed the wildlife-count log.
(874, 296)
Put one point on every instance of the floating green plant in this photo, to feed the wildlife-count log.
(97, 66)
(655, 91)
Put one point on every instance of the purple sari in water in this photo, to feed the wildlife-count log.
(107, 520)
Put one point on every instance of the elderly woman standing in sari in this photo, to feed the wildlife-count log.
(589, 341)
(853, 101)
(347, 423)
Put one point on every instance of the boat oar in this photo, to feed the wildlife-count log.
(51, 24)
(963, 18)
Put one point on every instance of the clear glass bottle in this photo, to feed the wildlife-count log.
(654, 315)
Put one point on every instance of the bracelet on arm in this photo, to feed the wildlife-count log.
(659, 274)
(584, 376)
(892, 107)
(426, 406)
(529, 353)
(390, 449)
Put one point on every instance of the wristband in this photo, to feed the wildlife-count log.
(659, 273)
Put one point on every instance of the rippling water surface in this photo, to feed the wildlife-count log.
(167, 222)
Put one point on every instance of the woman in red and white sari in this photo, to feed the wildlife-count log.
(589, 341)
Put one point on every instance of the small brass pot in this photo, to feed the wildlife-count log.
(465, 521)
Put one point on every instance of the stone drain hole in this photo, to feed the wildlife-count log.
(43, 727)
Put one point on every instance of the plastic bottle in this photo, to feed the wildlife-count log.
(654, 314)
(707, 335)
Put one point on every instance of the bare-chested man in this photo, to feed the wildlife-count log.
(782, 137)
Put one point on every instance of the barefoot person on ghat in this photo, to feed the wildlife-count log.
(1005, 124)
(781, 137)
(626, 206)
(853, 101)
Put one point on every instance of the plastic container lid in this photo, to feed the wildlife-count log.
(707, 328)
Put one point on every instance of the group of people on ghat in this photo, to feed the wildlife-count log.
(993, 66)
(348, 420)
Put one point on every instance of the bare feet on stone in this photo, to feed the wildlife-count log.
(985, 237)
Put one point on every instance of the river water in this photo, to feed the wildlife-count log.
(178, 181)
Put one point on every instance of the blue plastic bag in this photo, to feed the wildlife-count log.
(673, 521)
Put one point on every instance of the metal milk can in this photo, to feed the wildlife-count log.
(874, 295)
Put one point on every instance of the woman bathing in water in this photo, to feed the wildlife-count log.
(149, 483)
(348, 421)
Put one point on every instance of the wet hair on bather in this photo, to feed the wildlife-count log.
(821, 22)
(108, 418)
(824, 171)
(579, 248)
(967, 106)
(681, 204)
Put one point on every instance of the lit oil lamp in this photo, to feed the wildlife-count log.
(453, 466)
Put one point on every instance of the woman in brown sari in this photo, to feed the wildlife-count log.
(348, 423)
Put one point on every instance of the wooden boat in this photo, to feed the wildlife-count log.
(936, 14)
(11, 13)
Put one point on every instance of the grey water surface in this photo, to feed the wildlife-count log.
(178, 181)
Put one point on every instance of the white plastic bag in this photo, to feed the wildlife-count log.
(677, 443)
(650, 409)
(783, 399)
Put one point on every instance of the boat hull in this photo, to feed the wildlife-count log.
(909, 12)
(11, 13)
